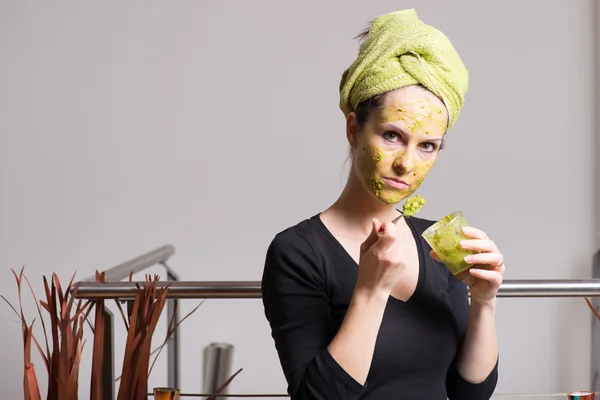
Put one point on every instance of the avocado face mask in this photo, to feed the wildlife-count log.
(400, 142)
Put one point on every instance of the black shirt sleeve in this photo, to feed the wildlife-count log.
(456, 386)
(296, 306)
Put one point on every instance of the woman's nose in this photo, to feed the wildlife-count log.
(404, 162)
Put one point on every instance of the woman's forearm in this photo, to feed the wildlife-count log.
(353, 346)
(479, 353)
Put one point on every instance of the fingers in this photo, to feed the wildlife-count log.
(488, 253)
(434, 255)
(494, 259)
(376, 225)
(373, 236)
(474, 233)
(483, 245)
(382, 233)
(386, 237)
(388, 229)
(494, 277)
(466, 278)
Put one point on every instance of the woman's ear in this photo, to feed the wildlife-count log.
(352, 130)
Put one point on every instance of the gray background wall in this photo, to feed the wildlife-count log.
(212, 125)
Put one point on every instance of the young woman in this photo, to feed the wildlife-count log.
(359, 305)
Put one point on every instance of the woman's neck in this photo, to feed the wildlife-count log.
(357, 207)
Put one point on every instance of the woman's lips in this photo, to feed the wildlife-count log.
(396, 183)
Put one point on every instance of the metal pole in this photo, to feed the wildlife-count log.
(108, 367)
(595, 329)
(137, 264)
(173, 341)
(595, 345)
(252, 289)
(216, 367)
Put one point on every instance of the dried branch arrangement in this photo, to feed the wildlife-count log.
(62, 350)
(67, 319)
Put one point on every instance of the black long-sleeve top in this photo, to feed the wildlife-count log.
(307, 284)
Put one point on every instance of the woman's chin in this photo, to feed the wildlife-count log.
(392, 197)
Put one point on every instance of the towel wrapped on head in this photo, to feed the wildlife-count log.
(400, 50)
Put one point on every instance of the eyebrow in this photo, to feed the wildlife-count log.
(390, 126)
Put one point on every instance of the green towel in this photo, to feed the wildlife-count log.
(401, 50)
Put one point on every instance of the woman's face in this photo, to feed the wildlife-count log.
(398, 146)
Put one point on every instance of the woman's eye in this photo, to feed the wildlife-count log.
(429, 147)
(391, 136)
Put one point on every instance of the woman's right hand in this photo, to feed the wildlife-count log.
(381, 263)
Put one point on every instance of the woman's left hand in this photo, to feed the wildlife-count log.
(485, 278)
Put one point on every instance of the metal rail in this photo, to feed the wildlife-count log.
(595, 346)
(158, 256)
(564, 395)
(125, 291)
(137, 264)
(252, 289)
